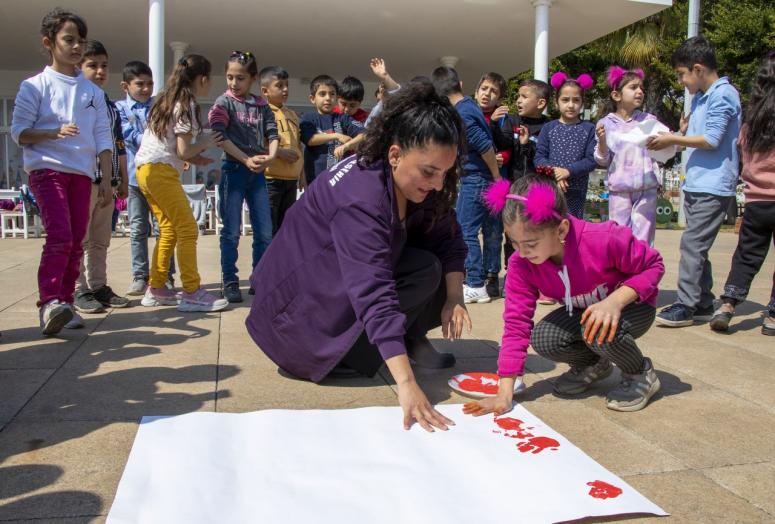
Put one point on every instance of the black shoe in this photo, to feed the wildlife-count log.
(422, 352)
(704, 314)
(675, 315)
(232, 293)
(344, 371)
(493, 286)
(86, 303)
(251, 291)
(720, 320)
(768, 326)
(108, 298)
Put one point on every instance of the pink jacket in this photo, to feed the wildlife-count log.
(598, 259)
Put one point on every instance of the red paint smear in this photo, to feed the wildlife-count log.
(538, 444)
(603, 490)
(514, 426)
(474, 384)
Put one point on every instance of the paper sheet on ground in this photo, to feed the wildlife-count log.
(640, 134)
(360, 466)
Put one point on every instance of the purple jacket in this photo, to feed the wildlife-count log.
(328, 274)
(599, 258)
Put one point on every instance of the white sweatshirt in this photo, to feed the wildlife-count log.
(47, 101)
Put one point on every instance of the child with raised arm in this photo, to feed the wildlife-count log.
(607, 280)
(167, 143)
(61, 122)
(567, 145)
(632, 173)
(250, 142)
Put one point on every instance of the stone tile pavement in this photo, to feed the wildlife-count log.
(69, 407)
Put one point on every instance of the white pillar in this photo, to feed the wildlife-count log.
(156, 43)
(178, 51)
(692, 30)
(541, 57)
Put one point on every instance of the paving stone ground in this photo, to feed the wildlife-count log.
(704, 450)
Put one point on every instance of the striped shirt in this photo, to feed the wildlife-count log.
(118, 144)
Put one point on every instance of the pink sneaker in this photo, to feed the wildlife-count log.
(201, 300)
(159, 296)
(546, 301)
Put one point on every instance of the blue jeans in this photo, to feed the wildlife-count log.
(473, 216)
(238, 184)
(139, 213)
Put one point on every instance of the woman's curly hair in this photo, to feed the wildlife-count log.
(416, 116)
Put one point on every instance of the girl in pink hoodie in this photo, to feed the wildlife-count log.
(605, 277)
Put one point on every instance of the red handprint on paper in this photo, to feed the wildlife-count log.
(603, 490)
(512, 427)
(538, 444)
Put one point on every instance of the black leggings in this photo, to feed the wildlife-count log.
(756, 235)
(559, 337)
(421, 295)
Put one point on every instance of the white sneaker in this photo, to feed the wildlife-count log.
(201, 300)
(53, 317)
(76, 322)
(162, 296)
(475, 295)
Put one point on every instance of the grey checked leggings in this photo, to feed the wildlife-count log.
(559, 337)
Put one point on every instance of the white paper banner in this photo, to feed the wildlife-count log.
(640, 134)
(360, 466)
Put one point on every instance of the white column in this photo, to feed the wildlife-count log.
(156, 43)
(541, 57)
(691, 31)
(178, 51)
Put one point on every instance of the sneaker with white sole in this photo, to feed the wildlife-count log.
(137, 287)
(201, 300)
(76, 322)
(159, 296)
(475, 295)
(53, 316)
(579, 379)
(634, 391)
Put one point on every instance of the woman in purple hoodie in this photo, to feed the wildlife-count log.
(371, 257)
(607, 280)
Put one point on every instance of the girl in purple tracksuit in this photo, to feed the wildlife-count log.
(632, 173)
(607, 280)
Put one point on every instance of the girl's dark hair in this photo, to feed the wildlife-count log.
(514, 210)
(178, 91)
(52, 23)
(245, 59)
(572, 83)
(610, 104)
(417, 116)
(760, 115)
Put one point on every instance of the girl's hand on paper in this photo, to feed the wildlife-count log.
(499, 404)
(418, 409)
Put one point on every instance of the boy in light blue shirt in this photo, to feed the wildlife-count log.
(711, 175)
(138, 85)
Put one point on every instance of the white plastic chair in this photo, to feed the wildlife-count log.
(18, 222)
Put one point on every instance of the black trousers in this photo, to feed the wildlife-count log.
(756, 235)
(422, 292)
(282, 195)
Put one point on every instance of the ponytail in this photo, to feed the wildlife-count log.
(179, 92)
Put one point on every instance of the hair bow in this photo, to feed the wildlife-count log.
(560, 77)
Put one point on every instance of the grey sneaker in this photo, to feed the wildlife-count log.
(76, 322)
(578, 379)
(232, 293)
(634, 391)
(53, 317)
(137, 287)
(87, 303)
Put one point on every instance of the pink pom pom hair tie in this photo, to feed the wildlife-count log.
(615, 74)
(584, 80)
(539, 201)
